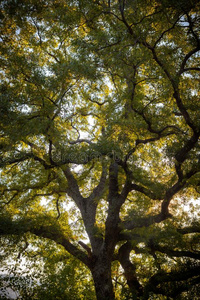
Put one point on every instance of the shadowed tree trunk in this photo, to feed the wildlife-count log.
(101, 272)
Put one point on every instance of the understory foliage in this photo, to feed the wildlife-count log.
(99, 149)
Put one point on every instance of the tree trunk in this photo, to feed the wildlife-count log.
(101, 272)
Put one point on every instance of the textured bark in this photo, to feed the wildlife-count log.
(129, 270)
(101, 272)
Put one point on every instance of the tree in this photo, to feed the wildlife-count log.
(100, 126)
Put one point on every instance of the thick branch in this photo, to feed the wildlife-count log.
(144, 222)
(52, 232)
(129, 187)
(145, 191)
(188, 55)
(99, 189)
(180, 282)
(73, 188)
(176, 253)
(169, 195)
(87, 205)
(113, 181)
(115, 202)
(190, 229)
(175, 276)
(86, 248)
(189, 145)
(59, 238)
(190, 69)
(20, 158)
(182, 108)
(129, 269)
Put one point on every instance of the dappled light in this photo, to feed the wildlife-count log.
(99, 149)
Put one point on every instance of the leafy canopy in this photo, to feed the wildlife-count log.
(99, 144)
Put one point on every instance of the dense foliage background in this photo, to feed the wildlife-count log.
(99, 149)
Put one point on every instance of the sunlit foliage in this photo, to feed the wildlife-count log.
(99, 149)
